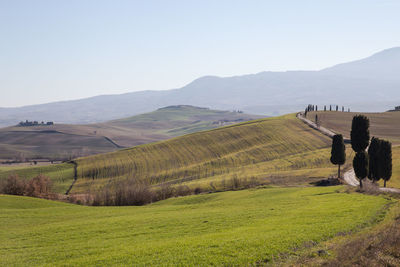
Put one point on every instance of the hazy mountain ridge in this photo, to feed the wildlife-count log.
(370, 84)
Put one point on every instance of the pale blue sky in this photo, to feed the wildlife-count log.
(59, 50)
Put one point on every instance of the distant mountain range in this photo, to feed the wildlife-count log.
(371, 84)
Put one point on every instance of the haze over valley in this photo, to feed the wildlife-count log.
(370, 84)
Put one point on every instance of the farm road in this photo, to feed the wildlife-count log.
(349, 176)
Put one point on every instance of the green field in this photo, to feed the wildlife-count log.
(273, 149)
(230, 228)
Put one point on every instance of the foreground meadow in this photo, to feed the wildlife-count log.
(230, 228)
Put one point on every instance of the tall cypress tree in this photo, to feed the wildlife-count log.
(359, 133)
(374, 155)
(338, 152)
(385, 161)
(360, 165)
(359, 142)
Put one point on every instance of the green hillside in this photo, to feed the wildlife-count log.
(244, 228)
(281, 150)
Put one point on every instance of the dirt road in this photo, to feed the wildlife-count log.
(349, 176)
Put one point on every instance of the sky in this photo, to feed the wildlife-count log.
(71, 49)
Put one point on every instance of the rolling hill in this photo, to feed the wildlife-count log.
(280, 151)
(370, 84)
(63, 141)
(271, 224)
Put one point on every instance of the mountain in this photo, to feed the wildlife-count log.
(370, 84)
(62, 141)
(383, 66)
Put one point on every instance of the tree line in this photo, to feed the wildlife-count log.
(374, 163)
(312, 107)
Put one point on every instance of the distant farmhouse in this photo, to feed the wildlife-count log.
(35, 123)
(395, 109)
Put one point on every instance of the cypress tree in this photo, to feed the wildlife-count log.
(385, 161)
(330, 108)
(338, 152)
(325, 108)
(359, 133)
(360, 165)
(374, 155)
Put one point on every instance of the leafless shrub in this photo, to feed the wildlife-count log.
(183, 190)
(125, 193)
(165, 191)
(39, 186)
(13, 186)
(369, 188)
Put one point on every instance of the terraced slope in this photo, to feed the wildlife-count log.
(247, 227)
(274, 149)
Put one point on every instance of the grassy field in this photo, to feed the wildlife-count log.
(230, 228)
(61, 175)
(261, 149)
(66, 141)
(383, 125)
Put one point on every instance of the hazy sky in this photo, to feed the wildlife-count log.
(58, 50)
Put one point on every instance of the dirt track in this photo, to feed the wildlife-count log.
(349, 176)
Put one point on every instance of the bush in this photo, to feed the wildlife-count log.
(165, 191)
(125, 193)
(13, 186)
(39, 186)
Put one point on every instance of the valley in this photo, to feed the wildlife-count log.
(66, 141)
